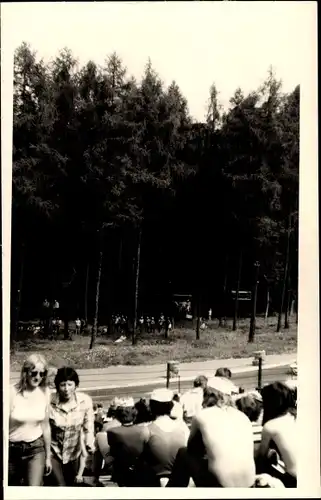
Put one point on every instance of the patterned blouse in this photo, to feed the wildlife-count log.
(67, 426)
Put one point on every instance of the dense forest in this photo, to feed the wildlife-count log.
(122, 200)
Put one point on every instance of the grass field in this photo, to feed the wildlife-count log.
(215, 343)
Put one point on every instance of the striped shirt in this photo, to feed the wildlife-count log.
(67, 425)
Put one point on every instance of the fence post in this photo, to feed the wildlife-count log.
(259, 375)
(168, 375)
(172, 369)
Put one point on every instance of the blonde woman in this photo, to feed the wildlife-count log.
(29, 429)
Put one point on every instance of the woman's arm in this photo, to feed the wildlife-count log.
(82, 465)
(88, 426)
(46, 432)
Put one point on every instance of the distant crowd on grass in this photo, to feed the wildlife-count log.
(51, 324)
(213, 435)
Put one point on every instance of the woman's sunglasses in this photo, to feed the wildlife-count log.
(35, 373)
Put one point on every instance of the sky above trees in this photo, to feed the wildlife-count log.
(229, 43)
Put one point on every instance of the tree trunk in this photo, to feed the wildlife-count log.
(267, 304)
(86, 296)
(288, 299)
(66, 327)
(136, 286)
(120, 254)
(253, 316)
(285, 275)
(291, 309)
(288, 302)
(95, 325)
(14, 330)
(222, 317)
(166, 330)
(287, 311)
(198, 316)
(237, 293)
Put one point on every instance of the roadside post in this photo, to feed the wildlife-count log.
(259, 358)
(172, 371)
(259, 375)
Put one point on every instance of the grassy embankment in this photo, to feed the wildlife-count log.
(215, 343)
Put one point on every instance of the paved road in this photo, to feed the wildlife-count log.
(118, 376)
(246, 379)
(105, 383)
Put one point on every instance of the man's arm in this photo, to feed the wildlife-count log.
(262, 461)
(194, 431)
(265, 441)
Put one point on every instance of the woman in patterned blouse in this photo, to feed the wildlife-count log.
(71, 415)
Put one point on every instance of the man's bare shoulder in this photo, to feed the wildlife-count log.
(277, 423)
(206, 415)
(270, 427)
(234, 416)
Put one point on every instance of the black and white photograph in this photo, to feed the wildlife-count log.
(156, 212)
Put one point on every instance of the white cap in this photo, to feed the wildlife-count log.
(124, 402)
(223, 385)
(252, 393)
(162, 395)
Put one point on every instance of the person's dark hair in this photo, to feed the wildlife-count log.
(111, 413)
(143, 412)
(126, 415)
(200, 381)
(160, 408)
(100, 405)
(176, 398)
(66, 373)
(294, 392)
(224, 373)
(278, 399)
(251, 406)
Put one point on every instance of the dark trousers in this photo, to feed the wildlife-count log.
(187, 466)
(26, 463)
(289, 481)
(143, 475)
(63, 474)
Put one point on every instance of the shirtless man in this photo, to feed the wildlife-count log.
(279, 428)
(220, 448)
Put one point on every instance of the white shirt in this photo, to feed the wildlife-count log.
(192, 401)
(27, 412)
(177, 411)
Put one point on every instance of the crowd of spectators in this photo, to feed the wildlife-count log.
(206, 437)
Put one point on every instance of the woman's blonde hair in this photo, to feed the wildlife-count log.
(28, 365)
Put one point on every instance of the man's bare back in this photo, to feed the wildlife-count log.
(227, 436)
(281, 431)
